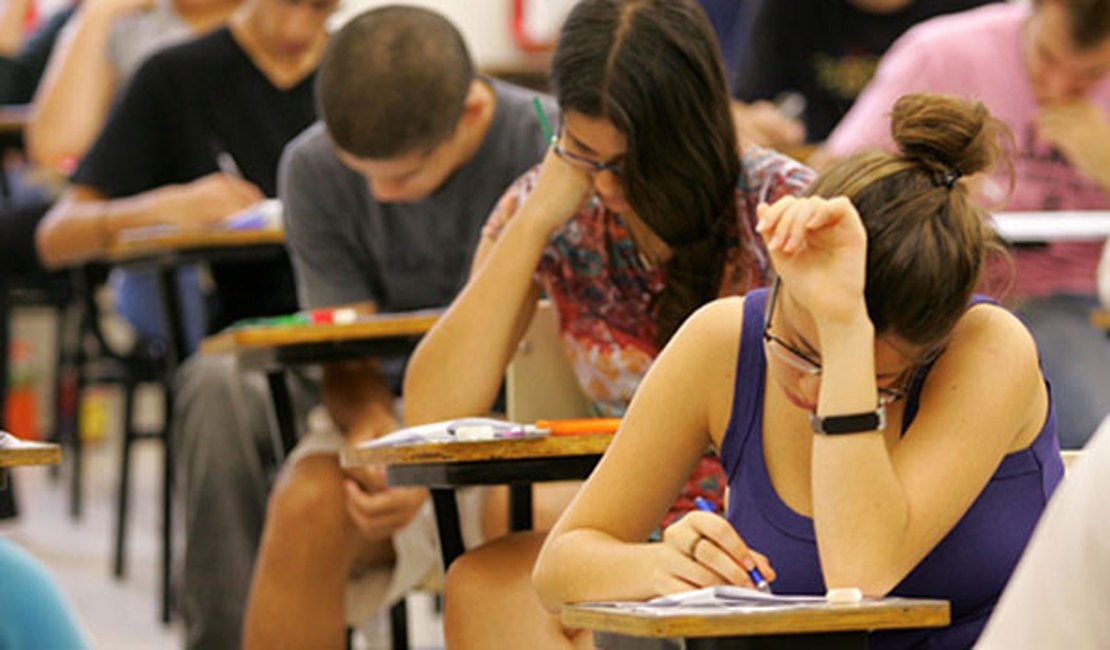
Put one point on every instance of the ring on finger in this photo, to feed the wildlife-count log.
(694, 547)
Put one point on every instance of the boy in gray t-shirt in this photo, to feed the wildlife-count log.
(384, 202)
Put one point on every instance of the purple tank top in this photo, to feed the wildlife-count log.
(969, 567)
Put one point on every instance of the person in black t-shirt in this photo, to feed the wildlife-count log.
(240, 92)
(825, 51)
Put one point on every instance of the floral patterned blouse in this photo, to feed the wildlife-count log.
(603, 293)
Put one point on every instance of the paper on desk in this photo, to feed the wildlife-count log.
(455, 431)
(711, 600)
(8, 441)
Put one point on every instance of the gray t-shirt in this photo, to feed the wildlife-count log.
(347, 247)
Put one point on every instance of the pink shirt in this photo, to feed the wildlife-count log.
(979, 54)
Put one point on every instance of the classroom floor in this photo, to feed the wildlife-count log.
(124, 614)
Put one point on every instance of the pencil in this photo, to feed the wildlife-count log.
(544, 124)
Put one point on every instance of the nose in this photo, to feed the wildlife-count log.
(607, 184)
(1059, 84)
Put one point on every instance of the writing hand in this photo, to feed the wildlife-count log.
(703, 550)
(1080, 131)
(207, 200)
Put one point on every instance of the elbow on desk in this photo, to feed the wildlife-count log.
(545, 576)
(55, 244)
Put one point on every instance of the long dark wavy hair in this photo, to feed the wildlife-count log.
(653, 70)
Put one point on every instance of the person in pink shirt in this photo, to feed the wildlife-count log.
(1044, 69)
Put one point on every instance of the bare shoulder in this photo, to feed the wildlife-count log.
(991, 330)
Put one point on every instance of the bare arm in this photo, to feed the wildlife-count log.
(458, 366)
(72, 100)
(11, 26)
(880, 504)
(596, 551)
(84, 223)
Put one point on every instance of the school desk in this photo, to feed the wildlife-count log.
(444, 467)
(818, 625)
(273, 349)
(164, 251)
(1037, 227)
(1100, 318)
(18, 453)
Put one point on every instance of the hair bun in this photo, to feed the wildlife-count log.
(946, 134)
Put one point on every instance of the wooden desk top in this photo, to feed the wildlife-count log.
(486, 450)
(1101, 318)
(15, 452)
(131, 248)
(408, 324)
(883, 614)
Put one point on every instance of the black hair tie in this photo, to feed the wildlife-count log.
(950, 177)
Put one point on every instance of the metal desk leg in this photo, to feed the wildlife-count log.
(173, 325)
(447, 523)
(520, 507)
(283, 412)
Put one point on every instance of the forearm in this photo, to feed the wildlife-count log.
(587, 565)
(860, 510)
(359, 400)
(72, 100)
(81, 226)
(458, 366)
(11, 26)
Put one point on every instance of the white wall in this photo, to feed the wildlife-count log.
(485, 24)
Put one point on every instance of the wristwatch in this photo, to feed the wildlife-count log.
(853, 423)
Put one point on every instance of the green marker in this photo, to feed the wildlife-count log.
(544, 124)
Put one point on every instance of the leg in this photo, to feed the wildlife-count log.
(222, 438)
(1076, 359)
(308, 550)
(490, 602)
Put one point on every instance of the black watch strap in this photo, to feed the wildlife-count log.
(853, 423)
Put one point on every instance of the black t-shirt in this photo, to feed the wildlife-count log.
(826, 50)
(184, 106)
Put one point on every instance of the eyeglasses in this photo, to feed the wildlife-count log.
(801, 361)
(587, 165)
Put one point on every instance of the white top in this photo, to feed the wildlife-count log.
(1059, 596)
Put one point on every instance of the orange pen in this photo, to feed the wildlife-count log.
(579, 426)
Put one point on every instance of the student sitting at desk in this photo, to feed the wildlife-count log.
(642, 211)
(241, 92)
(384, 202)
(1043, 68)
(882, 427)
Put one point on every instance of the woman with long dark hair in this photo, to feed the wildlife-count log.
(642, 211)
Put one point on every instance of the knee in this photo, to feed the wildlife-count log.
(309, 494)
(501, 568)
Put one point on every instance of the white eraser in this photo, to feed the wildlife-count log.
(843, 596)
(475, 432)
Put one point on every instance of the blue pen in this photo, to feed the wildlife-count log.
(757, 578)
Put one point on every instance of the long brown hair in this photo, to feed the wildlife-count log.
(927, 240)
(652, 68)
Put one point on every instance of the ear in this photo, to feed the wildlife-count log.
(478, 99)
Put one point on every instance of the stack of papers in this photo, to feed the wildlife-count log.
(463, 429)
(712, 600)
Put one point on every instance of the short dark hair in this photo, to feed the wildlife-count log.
(1088, 21)
(393, 81)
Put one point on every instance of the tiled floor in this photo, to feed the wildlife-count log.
(124, 614)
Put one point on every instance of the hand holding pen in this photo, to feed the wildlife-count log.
(703, 550)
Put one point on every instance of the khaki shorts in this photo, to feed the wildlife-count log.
(418, 564)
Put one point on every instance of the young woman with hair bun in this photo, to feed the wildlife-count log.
(881, 426)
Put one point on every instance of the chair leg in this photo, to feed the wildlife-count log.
(124, 494)
(399, 625)
(167, 504)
